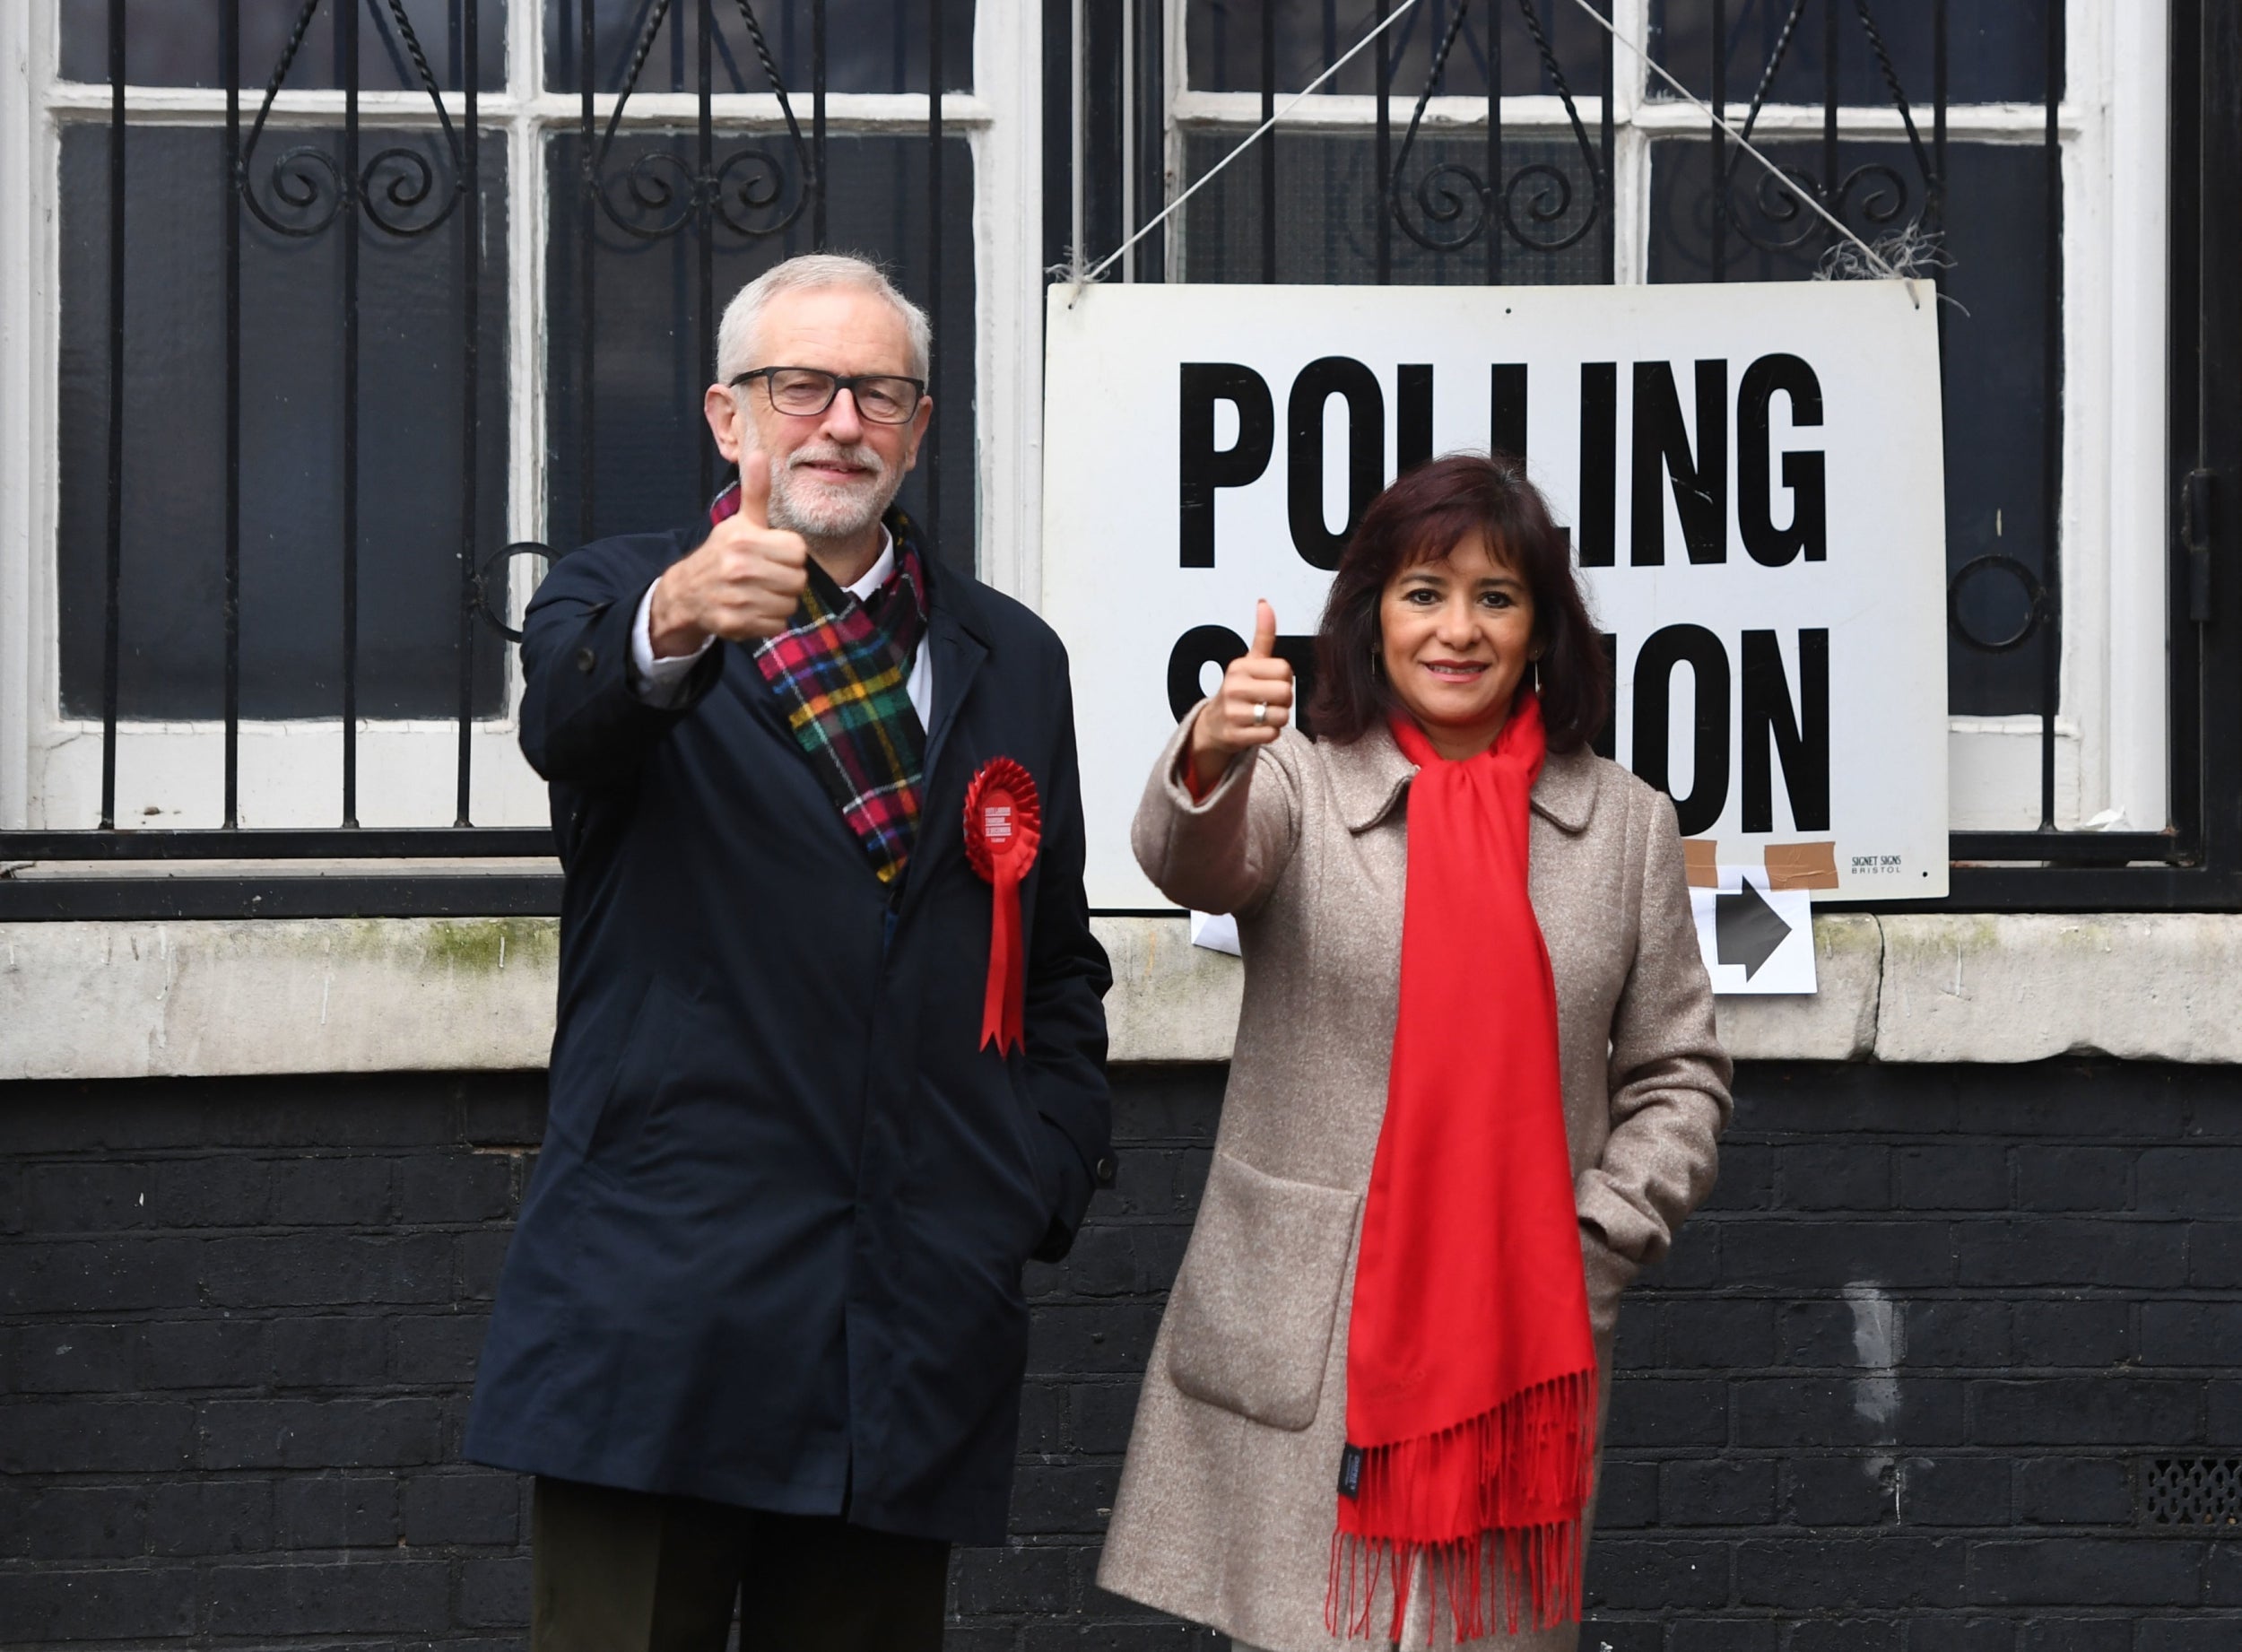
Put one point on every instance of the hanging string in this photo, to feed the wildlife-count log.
(1078, 276)
(1883, 265)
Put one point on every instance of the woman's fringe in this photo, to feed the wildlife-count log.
(1535, 1450)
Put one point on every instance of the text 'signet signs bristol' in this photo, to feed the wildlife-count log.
(1752, 475)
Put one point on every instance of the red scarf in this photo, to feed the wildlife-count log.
(1471, 1371)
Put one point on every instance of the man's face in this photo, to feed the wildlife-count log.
(831, 474)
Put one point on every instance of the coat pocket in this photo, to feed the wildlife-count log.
(1250, 1320)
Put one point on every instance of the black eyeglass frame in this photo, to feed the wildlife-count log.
(838, 382)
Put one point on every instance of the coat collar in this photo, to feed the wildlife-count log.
(1368, 776)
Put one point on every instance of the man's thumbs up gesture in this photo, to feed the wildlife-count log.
(742, 583)
(1253, 703)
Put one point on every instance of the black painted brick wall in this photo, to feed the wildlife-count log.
(1894, 1393)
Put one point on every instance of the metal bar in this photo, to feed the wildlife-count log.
(1720, 141)
(1937, 212)
(1495, 192)
(1269, 145)
(114, 555)
(317, 843)
(411, 894)
(2069, 849)
(1384, 70)
(2051, 437)
(1830, 94)
(817, 121)
(230, 54)
(346, 55)
(587, 243)
(1128, 139)
(1609, 234)
(470, 364)
(933, 264)
(705, 219)
(1078, 139)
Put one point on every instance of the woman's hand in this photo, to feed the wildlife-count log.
(1253, 703)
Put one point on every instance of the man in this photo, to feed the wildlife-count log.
(761, 1330)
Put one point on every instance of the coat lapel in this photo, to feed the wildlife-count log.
(1369, 774)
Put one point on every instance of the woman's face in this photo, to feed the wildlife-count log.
(1455, 633)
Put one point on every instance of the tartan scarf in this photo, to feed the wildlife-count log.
(1471, 1371)
(839, 669)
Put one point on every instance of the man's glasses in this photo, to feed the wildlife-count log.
(804, 392)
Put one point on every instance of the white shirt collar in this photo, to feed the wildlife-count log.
(882, 566)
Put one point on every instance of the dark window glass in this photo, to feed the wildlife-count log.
(1328, 202)
(175, 43)
(655, 345)
(1993, 353)
(870, 45)
(1995, 50)
(1223, 40)
(410, 440)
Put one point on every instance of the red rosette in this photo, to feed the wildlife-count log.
(1003, 825)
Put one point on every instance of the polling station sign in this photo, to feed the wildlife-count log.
(1751, 473)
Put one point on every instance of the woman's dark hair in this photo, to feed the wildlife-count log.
(1424, 515)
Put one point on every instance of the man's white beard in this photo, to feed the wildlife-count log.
(818, 510)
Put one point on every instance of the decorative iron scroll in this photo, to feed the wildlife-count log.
(745, 191)
(395, 190)
(1456, 205)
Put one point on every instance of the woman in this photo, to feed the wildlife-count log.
(1445, 1148)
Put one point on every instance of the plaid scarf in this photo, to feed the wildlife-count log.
(840, 670)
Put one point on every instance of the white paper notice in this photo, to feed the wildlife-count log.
(1755, 939)
(1217, 931)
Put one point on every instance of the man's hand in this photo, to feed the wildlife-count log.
(744, 581)
(1253, 703)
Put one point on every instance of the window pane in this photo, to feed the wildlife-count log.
(175, 43)
(1995, 50)
(1328, 202)
(410, 454)
(1223, 41)
(870, 45)
(1992, 356)
(653, 347)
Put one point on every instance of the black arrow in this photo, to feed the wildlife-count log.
(1746, 930)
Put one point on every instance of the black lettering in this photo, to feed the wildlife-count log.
(1800, 736)
(1606, 741)
(1357, 385)
(1708, 661)
(1700, 480)
(1505, 409)
(1802, 473)
(1599, 461)
(1204, 466)
(1412, 416)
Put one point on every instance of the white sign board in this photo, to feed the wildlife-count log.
(1752, 475)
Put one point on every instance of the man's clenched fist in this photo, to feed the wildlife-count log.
(744, 581)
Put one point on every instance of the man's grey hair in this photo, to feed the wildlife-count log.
(736, 343)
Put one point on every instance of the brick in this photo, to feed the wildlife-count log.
(2205, 1333)
(1878, 1572)
(436, 1350)
(1724, 1635)
(1077, 1341)
(72, 1359)
(2073, 1491)
(1746, 1180)
(1849, 1176)
(202, 1353)
(1954, 1491)
(1692, 1264)
(1667, 1411)
(302, 1434)
(335, 1112)
(1063, 1498)
(2077, 1635)
(475, 1506)
(109, 1275)
(71, 1435)
(14, 1210)
(1848, 1490)
(365, 1595)
(2221, 1632)
(1635, 1338)
(1621, 1634)
(1804, 1099)
(1102, 1414)
(332, 1191)
(1846, 1635)
(1816, 1332)
(2073, 1334)
(328, 1351)
(1951, 1176)
(2085, 1410)
(117, 1602)
(494, 1591)
(2075, 1178)
(455, 1186)
(2085, 1571)
(1627, 1495)
(2222, 1407)
(327, 1270)
(2022, 1102)
(2222, 1576)
(1122, 1262)
(85, 1523)
(1830, 1254)
(2214, 1256)
(355, 1511)
(1718, 1492)
(2195, 1180)
(211, 1517)
(1961, 1635)
(481, 1254)
(1645, 1574)
(1958, 1333)
(503, 1112)
(2067, 1251)
(1014, 1579)
(1043, 1424)
(1789, 1412)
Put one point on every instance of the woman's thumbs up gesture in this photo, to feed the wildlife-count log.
(1253, 703)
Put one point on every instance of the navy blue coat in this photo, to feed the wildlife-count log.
(771, 1256)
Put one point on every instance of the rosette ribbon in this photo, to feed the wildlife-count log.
(1003, 824)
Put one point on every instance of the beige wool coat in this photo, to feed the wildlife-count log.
(1229, 1494)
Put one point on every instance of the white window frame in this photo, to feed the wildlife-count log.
(2112, 726)
(169, 773)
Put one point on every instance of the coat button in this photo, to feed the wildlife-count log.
(1106, 1170)
(586, 659)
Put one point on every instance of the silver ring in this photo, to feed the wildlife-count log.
(1261, 713)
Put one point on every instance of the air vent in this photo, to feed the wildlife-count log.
(2192, 1491)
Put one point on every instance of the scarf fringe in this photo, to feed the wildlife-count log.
(1536, 1450)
